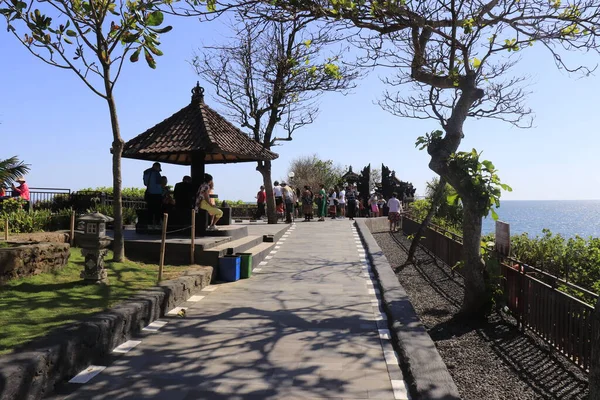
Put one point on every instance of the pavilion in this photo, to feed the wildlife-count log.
(350, 176)
(196, 135)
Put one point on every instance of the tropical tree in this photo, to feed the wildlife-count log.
(457, 56)
(443, 202)
(11, 169)
(93, 39)
(271, 75)
(313, 171)
(450, 207)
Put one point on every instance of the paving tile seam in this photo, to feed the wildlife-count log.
(399, 387)
(91, 371)
(278, 244)
(397, 384)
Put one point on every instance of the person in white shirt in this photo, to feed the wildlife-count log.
(342, 202)
(278, 198)
(332, 203)
(395, 211)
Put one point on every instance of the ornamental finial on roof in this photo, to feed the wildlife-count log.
(198, 94)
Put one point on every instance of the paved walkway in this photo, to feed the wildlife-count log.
(304, 327)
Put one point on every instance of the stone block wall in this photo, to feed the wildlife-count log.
(32, 371)
(21, 260)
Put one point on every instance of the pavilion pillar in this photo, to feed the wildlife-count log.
(197, 174)
(197, 169)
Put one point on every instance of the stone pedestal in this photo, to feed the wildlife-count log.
(93, 271)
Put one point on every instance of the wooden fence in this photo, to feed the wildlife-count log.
(563, 321)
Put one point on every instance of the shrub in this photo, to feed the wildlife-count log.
(126, 192)
(420, 208)
(11, 205)
(20, 221)
(576, 260)
(236, 203)
(129, 214)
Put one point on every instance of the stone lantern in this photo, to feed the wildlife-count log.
(94, 246)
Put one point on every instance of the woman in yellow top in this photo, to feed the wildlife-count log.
(204, 202)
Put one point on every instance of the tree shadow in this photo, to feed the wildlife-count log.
(546, 372)
(305, 328)
(251, 353)
(47, 306)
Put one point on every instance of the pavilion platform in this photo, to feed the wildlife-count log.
(257, 238)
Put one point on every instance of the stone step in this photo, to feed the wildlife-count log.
(238, 245)
(259, 252)
(211, 256)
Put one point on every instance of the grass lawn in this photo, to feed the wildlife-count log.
(32, 306)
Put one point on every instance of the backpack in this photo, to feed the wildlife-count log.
(147, 174)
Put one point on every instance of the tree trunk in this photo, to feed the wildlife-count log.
(473, 271)
(594, 376)
(265, 169)
(117, 150)
(435, 203)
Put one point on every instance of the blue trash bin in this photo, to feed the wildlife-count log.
(229, 268)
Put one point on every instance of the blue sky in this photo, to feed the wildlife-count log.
(52, 121)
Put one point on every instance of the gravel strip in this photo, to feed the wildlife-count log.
(488, 360)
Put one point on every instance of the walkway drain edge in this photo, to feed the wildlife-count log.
(87, 374)
(155, 326)
(126, 347)
(424, 370)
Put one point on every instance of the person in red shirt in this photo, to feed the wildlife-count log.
(261, 199)
(22, 191)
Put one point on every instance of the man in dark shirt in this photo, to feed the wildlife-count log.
(184, 194)
(153, 195)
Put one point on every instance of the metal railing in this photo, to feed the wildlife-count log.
(44, 195)
(532, 295)
(561, 320)
(128, 202)
(437, 241)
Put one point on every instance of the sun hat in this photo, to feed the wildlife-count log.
(20, 179)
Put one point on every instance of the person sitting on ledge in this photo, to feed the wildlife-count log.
(184, 194)
(205, 202)
(167, 198)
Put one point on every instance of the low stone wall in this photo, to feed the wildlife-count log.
(377, 224)
(33, 371)
(424, 370)
(52, 237)
(21, 260)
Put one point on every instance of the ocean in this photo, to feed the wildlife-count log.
(567, 217)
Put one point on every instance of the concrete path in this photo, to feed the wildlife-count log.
(305, 326)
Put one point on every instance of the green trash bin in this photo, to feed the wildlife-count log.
(246, 265)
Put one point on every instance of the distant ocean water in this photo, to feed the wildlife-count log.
(567, 217)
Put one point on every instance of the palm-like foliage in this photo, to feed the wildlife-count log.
(450, 207)
(11, 169)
